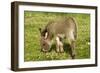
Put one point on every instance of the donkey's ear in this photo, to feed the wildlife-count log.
(46, 35)
(40, 30)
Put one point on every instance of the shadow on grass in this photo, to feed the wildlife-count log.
(66, 48)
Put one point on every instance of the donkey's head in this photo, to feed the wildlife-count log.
(44, 40)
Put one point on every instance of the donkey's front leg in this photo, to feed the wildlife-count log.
(59, 45)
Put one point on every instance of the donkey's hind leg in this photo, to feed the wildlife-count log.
(72, 45)
(73, 50)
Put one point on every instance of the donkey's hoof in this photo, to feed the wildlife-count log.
(58, 51)
(73, 56)
(62, 51)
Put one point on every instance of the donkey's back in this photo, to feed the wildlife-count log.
(66, 27)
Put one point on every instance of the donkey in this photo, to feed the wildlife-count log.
(63, 28)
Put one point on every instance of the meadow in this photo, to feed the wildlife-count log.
(34, 20)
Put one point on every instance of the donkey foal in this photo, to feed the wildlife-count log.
(65, 28)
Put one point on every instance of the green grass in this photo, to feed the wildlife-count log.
(34, 20)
